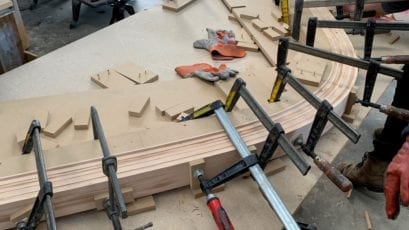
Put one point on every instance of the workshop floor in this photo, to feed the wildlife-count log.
(48, 28)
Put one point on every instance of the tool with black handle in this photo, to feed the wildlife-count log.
(320, 121)
(115, 204)
(214, 204)
(43, 204)
(249, 161)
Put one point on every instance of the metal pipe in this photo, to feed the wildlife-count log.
(284, 143)
(362, 25)
(264, 184)
(42, 178)
(343, 59)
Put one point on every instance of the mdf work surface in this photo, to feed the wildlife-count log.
(161, 40)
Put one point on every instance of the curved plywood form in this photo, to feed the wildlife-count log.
(162, 164)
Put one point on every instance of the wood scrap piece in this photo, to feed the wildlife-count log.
(164, 105)
(174, 111)
(137, 73)
(99, 199)
(21, 137)
(81, 119)
(231, 4)
(176, 5)
(181, 116)
(259, 25)
(138, 106)
(140, 205)
(271, 34)
(247, 46)
(111, 79)
(278, 27)
(249, 15)
(58, 122)
(352, 98)
(367, 220)
(393, 38)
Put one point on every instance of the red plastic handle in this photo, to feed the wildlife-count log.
(219, 214)
(334, 175)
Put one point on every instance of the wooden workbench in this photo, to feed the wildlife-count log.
(139, 39)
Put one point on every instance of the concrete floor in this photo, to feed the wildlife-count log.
(48, 29)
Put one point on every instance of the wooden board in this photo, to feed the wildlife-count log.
(111, 79)
(248, 46)
(58, 122)
(231, 4)
(259, 25)
(138, 107)
(174, 111)
(137, 73)
(176, 5)
(271, 34)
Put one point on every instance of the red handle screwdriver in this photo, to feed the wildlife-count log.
(215, 206)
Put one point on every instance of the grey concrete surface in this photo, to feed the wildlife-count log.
(48, 23)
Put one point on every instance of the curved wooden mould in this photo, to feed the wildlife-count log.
(163, 167)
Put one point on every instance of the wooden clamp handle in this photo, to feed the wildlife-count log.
(334, 175)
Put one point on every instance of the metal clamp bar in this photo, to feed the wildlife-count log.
(258, 174)
(265, 119)
(397, 74)
(362, 25)
(33, 141)
(109, 166)
(352, 134)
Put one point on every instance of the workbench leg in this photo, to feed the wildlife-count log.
(76, 7)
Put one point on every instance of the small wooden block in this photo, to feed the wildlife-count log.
(367, 220)
(231, 4)
(273, 167)
(271, 34)
(21, 137)
(278, 27)
(247, 46)
(140, 205)
(198, 192)
(351, 100)
(393, 38)
(249, 15)
(259, 25)
(350, 118)
(163, 106)
(81, 119)
(111, 79)
(174, 111)
(138, 107)
(137, 74)
(99, 199)
(193, 166)
(176, 5)
(58, 122)
(20, 214)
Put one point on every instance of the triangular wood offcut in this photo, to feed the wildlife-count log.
(138, 106)
(136, 73)
(58, 122)
(111, 79)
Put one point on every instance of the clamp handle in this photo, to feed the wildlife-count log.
(333, 174)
